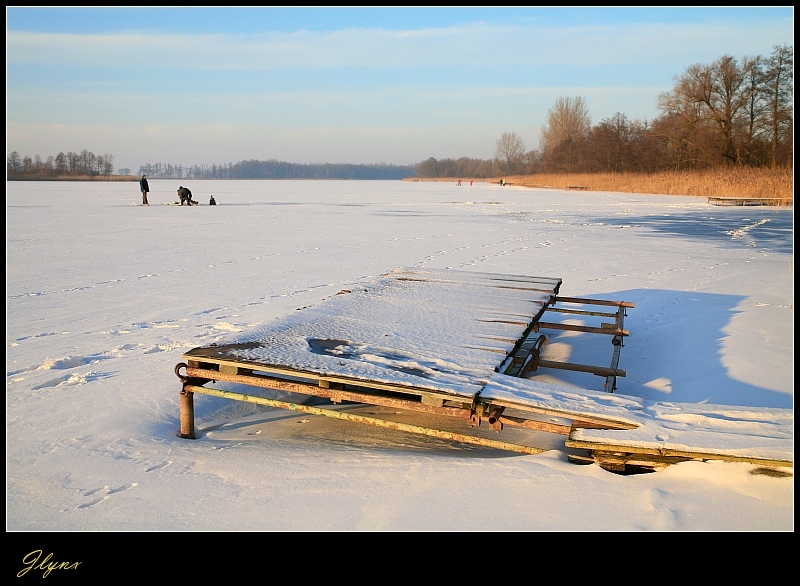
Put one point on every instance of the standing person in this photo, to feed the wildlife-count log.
(145, 189)
(212, 201)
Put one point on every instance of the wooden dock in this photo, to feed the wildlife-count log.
(746, 201)
(461, 349)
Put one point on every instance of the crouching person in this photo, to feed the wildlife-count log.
(185, 195)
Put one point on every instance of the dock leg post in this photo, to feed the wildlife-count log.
(187, 415)
(187, 402)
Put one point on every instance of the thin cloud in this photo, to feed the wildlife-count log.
(468, 46)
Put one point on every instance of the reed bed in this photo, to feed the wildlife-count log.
(739, 182)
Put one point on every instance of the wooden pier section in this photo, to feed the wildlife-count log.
(460, 350)
(746, 201)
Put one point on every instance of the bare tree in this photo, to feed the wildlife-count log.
(72, 161)
(107, 167)
(531, 162)
(779, 82)
(88, 162)
(61, 164)
(567, 120)
(714, 98)
(14, 164)
(753, 124)
(510, 152)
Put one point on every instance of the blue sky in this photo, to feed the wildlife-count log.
(344, 85)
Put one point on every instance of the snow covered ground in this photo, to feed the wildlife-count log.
(103, 296)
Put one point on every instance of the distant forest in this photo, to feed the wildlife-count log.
(273, 169)
(729, 113)
(87, 165)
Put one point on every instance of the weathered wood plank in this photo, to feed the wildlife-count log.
(608, 448)
(585, 301)
(613, 331)
(598, 370)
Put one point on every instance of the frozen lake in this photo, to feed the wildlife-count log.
(269, 247)
(103, 296)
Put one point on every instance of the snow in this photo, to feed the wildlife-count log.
(454, 346)
(762, 433)
(105, 296)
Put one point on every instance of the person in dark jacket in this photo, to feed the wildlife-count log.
(145, 189)
(185, 195)
(212, 201)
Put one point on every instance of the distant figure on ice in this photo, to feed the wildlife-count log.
(145, 189)
(185, 195)
(458, 182)
(212, 201)
(502, 182)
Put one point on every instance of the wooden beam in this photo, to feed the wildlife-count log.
(613, 331)
(336, 395)
(598, 370)
(581, 312)
(594, 301)
(608, 448)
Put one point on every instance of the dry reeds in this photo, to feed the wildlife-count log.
(745, 182)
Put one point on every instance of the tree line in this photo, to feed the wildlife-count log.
(274, 169)
(86, 164)
(70, 164)
(727, 113)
